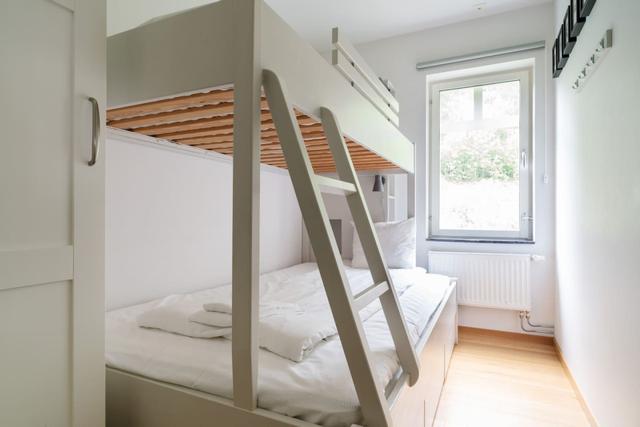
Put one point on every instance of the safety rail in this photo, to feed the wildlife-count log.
(346, 59)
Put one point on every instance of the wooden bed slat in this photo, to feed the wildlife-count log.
(167, 128)
(269, 136)
(266, 127)
(180, 102)
(175, 116)
(205, 120)
(221, 109)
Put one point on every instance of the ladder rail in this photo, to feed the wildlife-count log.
(370, 294)
(246, 203)
(373, 404)
(371, 246)
(335, 186)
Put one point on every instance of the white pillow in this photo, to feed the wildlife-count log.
(398, 242)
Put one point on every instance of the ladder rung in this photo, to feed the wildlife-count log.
(335, 186)
(367, 296)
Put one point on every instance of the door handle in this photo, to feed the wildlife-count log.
(95, 131)
(523, 159)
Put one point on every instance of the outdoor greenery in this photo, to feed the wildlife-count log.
(476, 143)
(479, 155)
(478, 151)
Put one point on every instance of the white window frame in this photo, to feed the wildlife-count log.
(525, 162)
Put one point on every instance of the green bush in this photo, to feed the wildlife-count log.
(479, 156)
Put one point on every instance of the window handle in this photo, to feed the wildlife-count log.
(526, 217)
(523, 159)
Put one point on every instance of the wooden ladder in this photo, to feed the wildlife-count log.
(344, 305)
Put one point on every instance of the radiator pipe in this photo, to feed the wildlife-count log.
(523, 316)
(533, 325)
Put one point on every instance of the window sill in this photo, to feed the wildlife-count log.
(481, 240)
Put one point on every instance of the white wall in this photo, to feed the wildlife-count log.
(377, 203)
(598, 210)
(123, 15)
(169, 220)
(396, 59)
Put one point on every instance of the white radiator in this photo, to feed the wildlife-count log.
(487, 280)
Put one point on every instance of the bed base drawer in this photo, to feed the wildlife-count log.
(416, 406)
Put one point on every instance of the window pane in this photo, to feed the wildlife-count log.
(456, 105)
(479, 173)
(501, 100)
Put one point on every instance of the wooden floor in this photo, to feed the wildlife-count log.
(507, 380)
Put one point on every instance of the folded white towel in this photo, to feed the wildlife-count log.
(220, 307)
(285, 330)
(223, 319)
(294, 313)
(266, 309)
(172, 315)
(211, 318)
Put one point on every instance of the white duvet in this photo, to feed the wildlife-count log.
(318, 389)
(294, 312)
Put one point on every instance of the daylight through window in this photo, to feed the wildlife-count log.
(480, 165)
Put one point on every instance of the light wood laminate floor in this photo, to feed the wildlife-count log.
(498, 379)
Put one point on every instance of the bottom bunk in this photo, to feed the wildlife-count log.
(157, 378)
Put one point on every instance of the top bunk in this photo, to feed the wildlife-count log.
(205, 120)
(174, 78)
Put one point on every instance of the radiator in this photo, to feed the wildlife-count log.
(487, 280)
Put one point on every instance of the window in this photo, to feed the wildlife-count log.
(480, 158)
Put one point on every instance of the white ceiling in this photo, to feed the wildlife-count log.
(361, 20)
(368, 20)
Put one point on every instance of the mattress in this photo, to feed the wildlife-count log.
(318, 389)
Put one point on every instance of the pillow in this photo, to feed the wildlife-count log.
(398, 242)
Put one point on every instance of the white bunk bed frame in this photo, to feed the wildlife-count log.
(265, 52)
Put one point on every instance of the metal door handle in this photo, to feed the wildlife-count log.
(95, 131)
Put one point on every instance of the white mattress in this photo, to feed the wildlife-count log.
(318, 389)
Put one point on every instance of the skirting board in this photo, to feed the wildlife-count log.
(592, 420)
(496, 334)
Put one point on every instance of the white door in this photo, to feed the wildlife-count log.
(52, 58)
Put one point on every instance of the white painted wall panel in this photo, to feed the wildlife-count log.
(25, 159)
(44, 81)
(598, 204)
(35, 339)
(169, 221)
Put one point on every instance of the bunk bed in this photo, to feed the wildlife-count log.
(232, 77)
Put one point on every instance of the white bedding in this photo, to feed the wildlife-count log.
(294, 313)
(318, 389)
